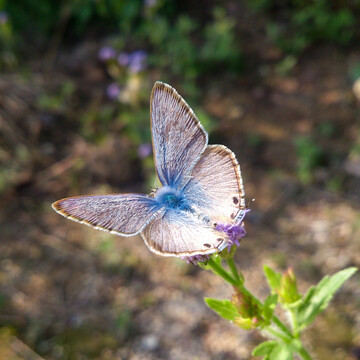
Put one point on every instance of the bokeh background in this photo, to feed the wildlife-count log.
(277, 81)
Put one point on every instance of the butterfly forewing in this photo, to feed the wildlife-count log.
(216, 185)
(178, 137)
(179, 234)
(124, 215)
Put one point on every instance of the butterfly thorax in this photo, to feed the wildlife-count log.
(172, 198)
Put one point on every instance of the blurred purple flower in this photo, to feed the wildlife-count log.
(113, 91)
(150, 3)
(144, 150)
(137, 61)
(123, 59)
(196, 259)
(3, 17)
(106, 53)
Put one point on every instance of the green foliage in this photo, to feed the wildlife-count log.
(283, 284)
(310, 156)
(273, 278)
(176, 43)
(57, 102)
(264, 348)
(7, 55)
(186, 50)
(247, 312)
(318, 297)
(219, 47)
(273, 350)
(269, 307)
(41, 18)
(299, 24)
(225, 308)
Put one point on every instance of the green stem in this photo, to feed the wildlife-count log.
(275, 333)
(294, 323)
(304, 354)
(218, 269)
(235, 280)
(234, 271)
(276, 320)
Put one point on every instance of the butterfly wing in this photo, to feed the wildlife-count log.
(124, 215)
(177, 135)
(216, 186)
(179, 234)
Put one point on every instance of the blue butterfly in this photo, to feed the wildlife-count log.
(202, 187)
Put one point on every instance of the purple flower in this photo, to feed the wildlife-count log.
(196, 259)
(150, 3)
(106, 53)
(3, 17)
(123, 59)
(144, 150)
(113, 91)
(137, 61)
(234, 232)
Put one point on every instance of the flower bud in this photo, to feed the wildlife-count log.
(288, 291)
(249, 311)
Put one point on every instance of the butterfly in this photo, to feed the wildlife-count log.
(202, 187)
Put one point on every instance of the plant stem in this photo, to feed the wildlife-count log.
(237, 281)
(234, 270)
(294, 323)
(275, 333)
(304, 354)
(218, 269)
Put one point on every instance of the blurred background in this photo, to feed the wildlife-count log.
(277, 81)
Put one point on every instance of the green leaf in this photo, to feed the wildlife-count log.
(281, 352)
(264, 348)
(318, 298)
(224, 308)
(244, 323)
(273, 278)
(269, 306)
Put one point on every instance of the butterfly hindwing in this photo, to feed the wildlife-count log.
(179, 234)
(215, 186)
(177, 135)
(123, 215)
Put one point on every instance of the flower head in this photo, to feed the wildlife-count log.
(288, 291)
(250, 313)
(195, 259)
(137, 60)
(106, 53)
(144, 150)
(3, 17)
(150, 3)
(234, 232)
(123, 59)
(113, 91)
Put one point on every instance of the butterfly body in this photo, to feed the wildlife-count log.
(202, 186)
(172, 199)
